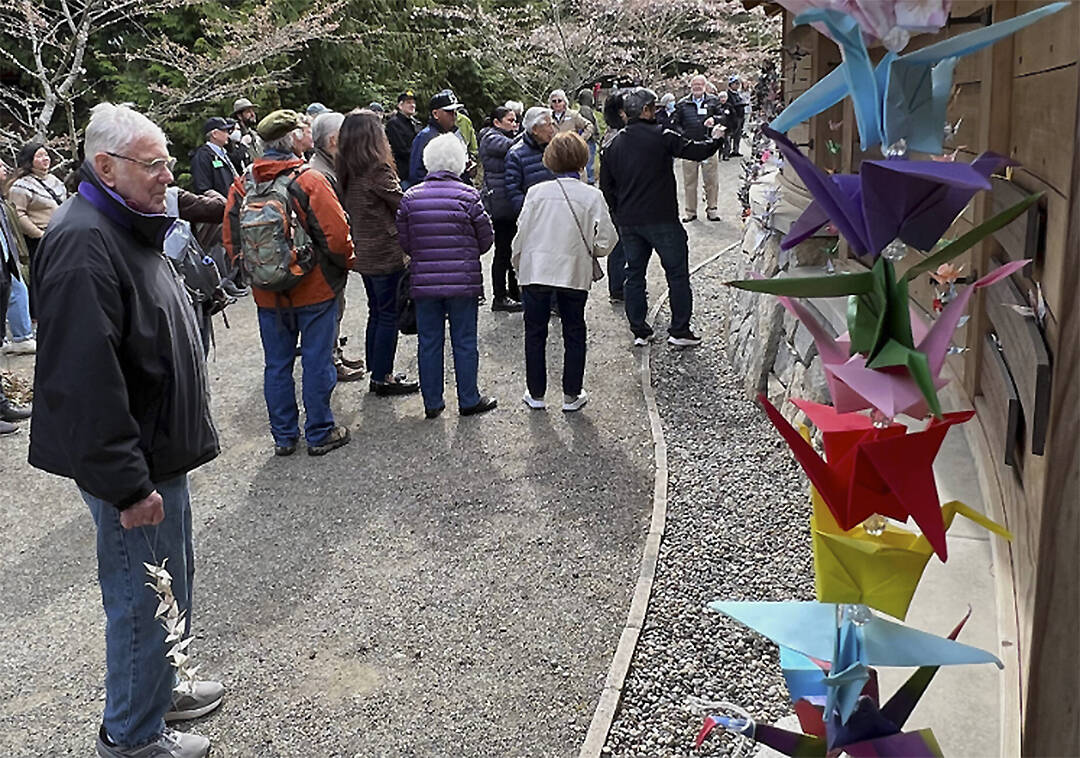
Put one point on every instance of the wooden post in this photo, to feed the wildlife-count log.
(1052, 710)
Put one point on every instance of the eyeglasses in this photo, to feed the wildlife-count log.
(154, 166)
(557, 100)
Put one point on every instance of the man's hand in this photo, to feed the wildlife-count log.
(147, 512)
(709, 122)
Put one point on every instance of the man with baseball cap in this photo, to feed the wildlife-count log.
(211, 168)
(401, 130)
(443, 108)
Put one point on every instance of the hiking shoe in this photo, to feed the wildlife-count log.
(346, 374)
(284, 450)
(506, 304)
(573, 403)
(486, 404)
(688, 217)
(23, 347)
(434, 412)
(684, 339)
(11, 412)
(713, 216)
(536, 403)
(338, 437)
(204, 697)
(171, 744)
(6, 427)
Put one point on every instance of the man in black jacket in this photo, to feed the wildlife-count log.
(211, 168)
(401, 130)
(123, 408)
(694, 117)
(736, 101)
(637, 177)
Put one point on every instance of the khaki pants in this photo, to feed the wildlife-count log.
(690, 184)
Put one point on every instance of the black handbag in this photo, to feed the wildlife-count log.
(406, 306)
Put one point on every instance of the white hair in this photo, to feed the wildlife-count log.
(445, 153)
(515, 105)
(324, 126)
(557, 93)
(534, 117)
(113, 127)
(287, 142)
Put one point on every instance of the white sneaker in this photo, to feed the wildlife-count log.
(642, 341)
(532, 402)
(684, 339)
(571, 404)
(24, 347)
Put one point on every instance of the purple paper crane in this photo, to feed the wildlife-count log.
(913, 201)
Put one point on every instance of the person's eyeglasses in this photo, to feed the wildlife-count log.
(557, 100)
(154, 166)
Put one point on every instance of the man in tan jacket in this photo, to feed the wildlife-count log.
(566, 120)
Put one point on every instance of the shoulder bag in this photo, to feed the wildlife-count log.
(597, 269)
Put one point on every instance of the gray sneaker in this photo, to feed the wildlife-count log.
(171, 744)
(204, 697)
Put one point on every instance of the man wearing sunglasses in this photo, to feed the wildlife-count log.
(566, 120)
(122, 407)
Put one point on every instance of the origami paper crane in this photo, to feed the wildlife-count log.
(828, 632)
(871, 470)
(892, 22)
(888, 359)
(913, 201)
(871, 727)
(879, 570)
(905, 96)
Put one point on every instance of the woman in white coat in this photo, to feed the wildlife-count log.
(563, 228)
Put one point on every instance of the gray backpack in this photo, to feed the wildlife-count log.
(275, 249)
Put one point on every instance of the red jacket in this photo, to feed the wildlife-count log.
(321, 214)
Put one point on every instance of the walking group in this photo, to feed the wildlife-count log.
(301, 199)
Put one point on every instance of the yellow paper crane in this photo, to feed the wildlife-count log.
(879, 570)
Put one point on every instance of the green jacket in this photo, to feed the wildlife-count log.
(468, 133)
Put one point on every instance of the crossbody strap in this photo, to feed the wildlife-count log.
(581, 231)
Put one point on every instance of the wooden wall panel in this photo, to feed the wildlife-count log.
(1043, 116)
(1051, 43)
(967, 105)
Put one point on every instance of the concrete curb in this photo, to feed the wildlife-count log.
(604, 715)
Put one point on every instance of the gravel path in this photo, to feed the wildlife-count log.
(736, 529)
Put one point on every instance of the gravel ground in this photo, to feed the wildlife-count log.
(737, 519)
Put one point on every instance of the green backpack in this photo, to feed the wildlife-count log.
(275, 249)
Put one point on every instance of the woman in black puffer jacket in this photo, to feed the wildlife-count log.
(495, 140)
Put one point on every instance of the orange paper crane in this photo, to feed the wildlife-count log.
(872, 470)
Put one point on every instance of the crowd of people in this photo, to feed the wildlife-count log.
(124, 281)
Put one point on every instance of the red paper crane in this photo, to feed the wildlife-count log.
(870, 469)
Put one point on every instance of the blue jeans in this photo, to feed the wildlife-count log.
(431, 315)
(669, 241)
(380, 344)
(537, 300)
(138, 677)
(18, 312)
(590, 166)
(616, 270)
(316, 326)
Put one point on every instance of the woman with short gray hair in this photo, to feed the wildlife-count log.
(525, 160)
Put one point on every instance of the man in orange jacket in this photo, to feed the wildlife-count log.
(308, 308)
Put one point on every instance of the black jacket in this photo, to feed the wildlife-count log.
(637, 174)
(210, 172)
(401, 130)
(736, 101)
(689, 120)
(121, 398)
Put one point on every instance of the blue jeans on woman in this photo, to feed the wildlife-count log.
(18, 312)
(537, 300)
(138, 677)
(431, 316)
(380, 345)
(316, 326)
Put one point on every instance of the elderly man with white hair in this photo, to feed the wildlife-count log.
(694, 117)
(525, 158)
(324, 136)
(122, 407)
(567, 120)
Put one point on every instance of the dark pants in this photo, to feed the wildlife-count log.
(5, 293)
(616, 270)
(669, 242)
(503, 280)
(380, 345)
(537, 300)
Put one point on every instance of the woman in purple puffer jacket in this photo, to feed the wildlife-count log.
(443, 227)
